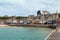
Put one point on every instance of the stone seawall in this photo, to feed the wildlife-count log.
(32, 25)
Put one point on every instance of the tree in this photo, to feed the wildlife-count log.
(4, 19)
(39, 13)
(18, 19)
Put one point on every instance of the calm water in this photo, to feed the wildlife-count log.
(24, 33)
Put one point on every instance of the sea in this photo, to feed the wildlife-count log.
(24, 33)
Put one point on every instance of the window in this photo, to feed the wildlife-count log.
(46, 16)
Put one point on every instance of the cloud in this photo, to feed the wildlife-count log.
(27, 7)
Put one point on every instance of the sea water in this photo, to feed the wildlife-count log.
(24, 33)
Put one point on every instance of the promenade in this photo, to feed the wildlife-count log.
(55, 35)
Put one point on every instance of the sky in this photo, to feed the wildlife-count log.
(27, 7)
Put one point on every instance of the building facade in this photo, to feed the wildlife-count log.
(46, 16)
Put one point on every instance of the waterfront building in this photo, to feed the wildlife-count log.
(30, 17)
(1, 22)
(36, 20)
(45, 12)
(43, 17)
(11, 20)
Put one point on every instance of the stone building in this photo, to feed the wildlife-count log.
(45, 16)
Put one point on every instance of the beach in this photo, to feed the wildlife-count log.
(6, 26)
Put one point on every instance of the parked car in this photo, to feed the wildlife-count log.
(50, 22)
(27, 22)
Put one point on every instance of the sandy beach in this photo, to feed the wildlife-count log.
(5, 26)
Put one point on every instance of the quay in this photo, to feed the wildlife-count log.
(31, 25)
(35, 25)
(55, 35)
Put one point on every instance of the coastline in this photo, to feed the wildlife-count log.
(31, 25)
(3, 25)
(26, 25)
(6, 26)
(34, 25)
